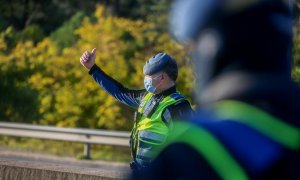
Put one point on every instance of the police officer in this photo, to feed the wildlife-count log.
(248, 126)
(157, 105)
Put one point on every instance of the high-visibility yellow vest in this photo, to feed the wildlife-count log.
(149, 133)
(216, 154)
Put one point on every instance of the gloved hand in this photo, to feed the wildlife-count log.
(87, 59)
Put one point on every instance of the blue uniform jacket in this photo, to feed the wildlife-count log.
(133, 98)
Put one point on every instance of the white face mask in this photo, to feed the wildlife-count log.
(148, 83)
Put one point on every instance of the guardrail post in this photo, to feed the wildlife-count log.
(87, 149)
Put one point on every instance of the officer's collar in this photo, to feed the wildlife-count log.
(167, 92)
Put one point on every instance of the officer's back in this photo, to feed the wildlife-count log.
(248, 123)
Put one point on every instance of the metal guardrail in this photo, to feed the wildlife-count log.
(86, 136)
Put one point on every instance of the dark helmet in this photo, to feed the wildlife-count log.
(161, 62)
(229, 35)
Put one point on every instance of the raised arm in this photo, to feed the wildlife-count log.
(129, 97)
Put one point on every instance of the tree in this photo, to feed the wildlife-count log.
(18, 100)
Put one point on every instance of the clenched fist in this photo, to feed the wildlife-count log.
(87, 59)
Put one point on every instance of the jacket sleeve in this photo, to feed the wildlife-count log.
(129, 97)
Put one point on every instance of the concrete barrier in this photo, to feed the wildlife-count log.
(26, 170)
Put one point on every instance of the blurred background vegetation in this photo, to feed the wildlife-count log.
(42, 81)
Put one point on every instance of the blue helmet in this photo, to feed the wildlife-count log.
(233, 35)
(189, 17)
(161, 62)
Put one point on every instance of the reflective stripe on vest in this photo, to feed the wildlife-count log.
(152, 137)
(150, 133)
(272, 127)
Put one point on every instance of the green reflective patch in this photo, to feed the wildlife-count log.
(211, 149)
(272, 127)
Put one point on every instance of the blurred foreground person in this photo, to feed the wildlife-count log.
(248, 126)
(157, 106)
